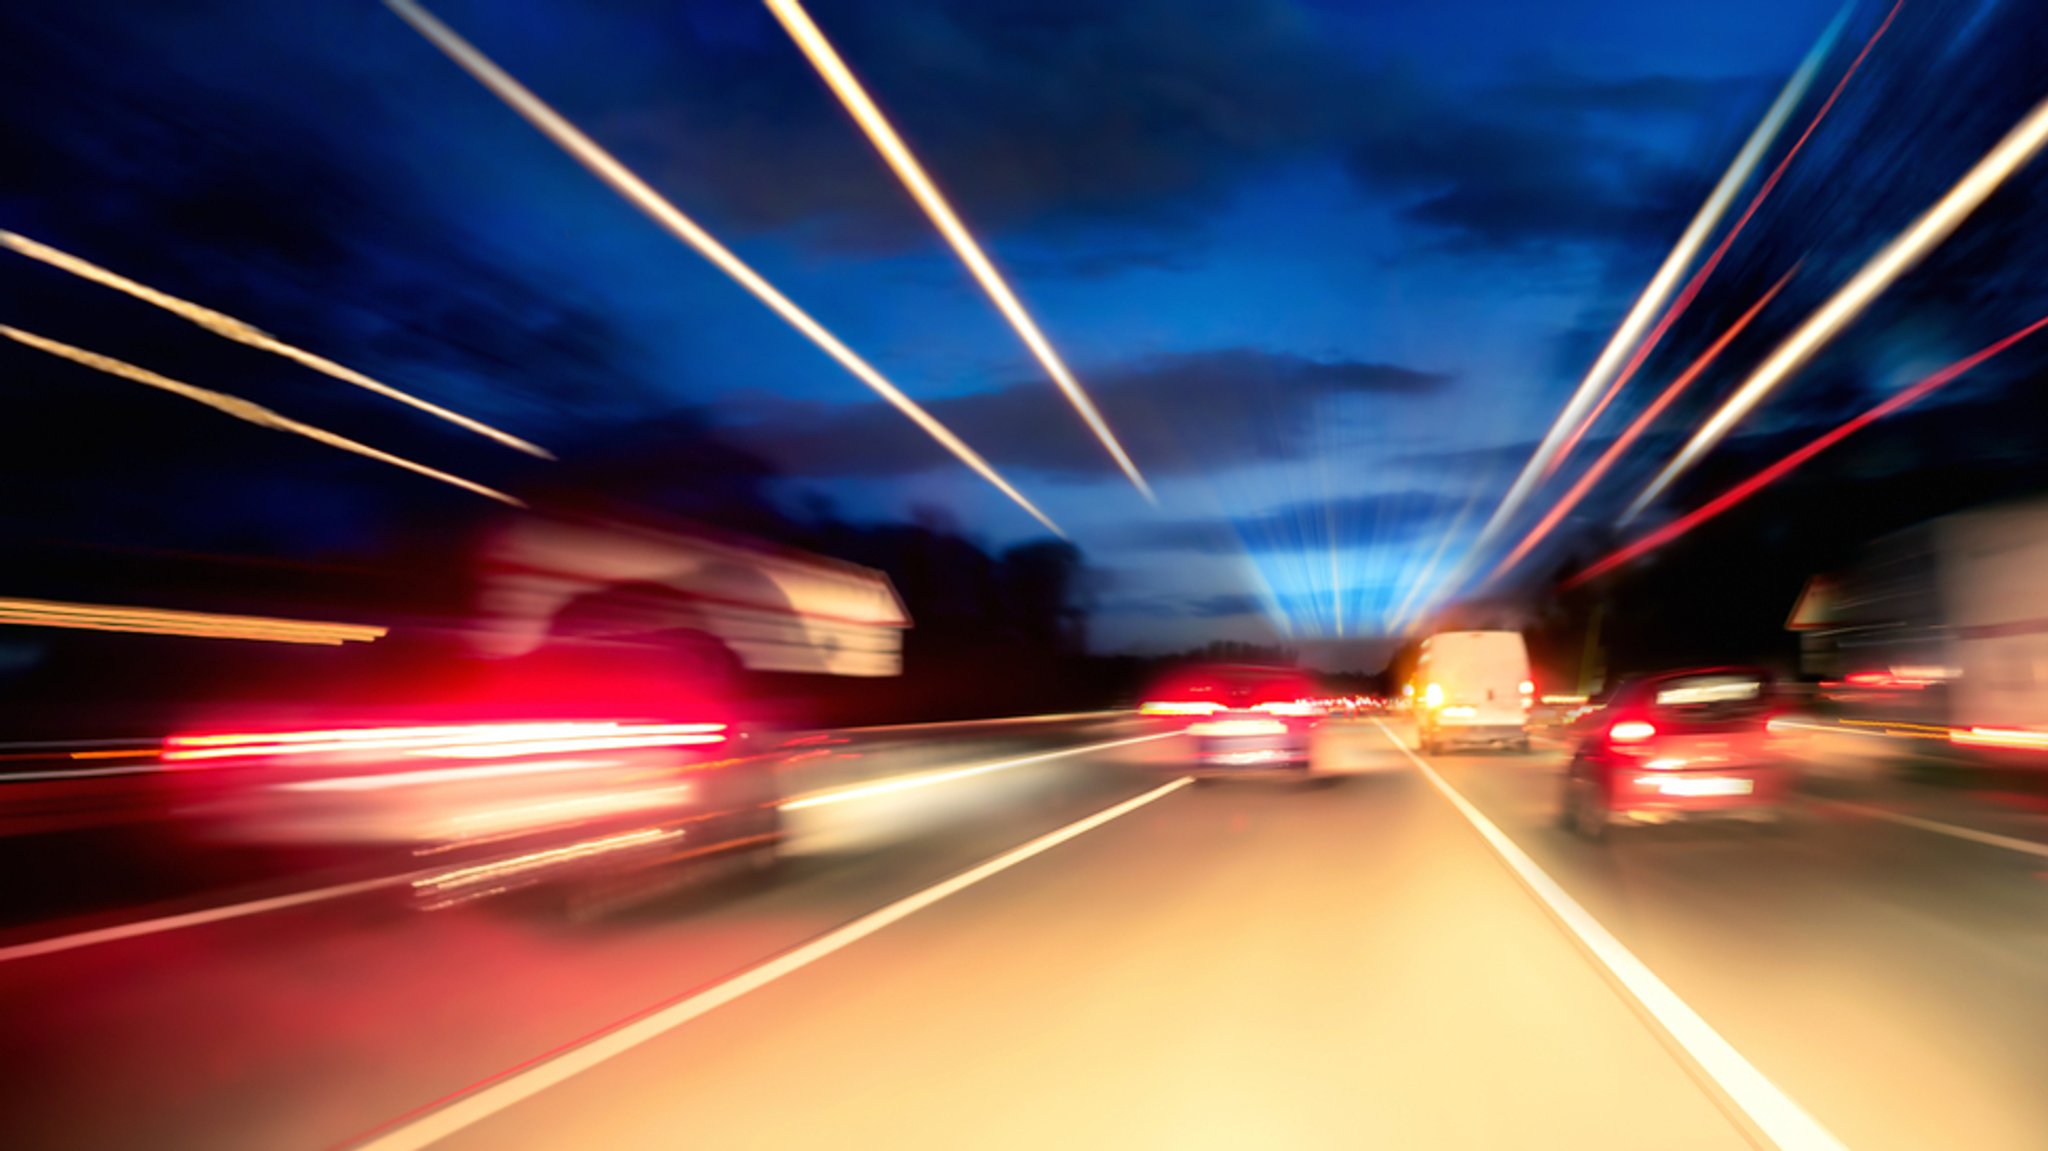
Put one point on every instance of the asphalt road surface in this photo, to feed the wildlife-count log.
(1084, 950)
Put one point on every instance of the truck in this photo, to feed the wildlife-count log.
(1940, 630)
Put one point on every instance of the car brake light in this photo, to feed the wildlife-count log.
(1631, 731)
(1528, 687)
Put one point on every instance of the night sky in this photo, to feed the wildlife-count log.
(1328, 268)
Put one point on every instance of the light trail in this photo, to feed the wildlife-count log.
(193, 624)
(1666, 278)
(848, 88)
(1776, 471)
(1706, 269)
(1883, 269)
(1634, 431)
(637, 192)
(1401, 617)
(243, 410)
(230, 328)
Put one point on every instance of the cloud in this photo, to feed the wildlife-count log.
(1059, 116)
(1504, 175)
(1176, 414)
(1647, 95)
(1031, 113)
(1226, 604)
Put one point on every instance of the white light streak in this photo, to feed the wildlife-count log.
(608, 168)
(230, 328)
(850, 92)
(1666, 279)
(1897, 258)
(243, 410)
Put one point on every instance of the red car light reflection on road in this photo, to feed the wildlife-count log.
(1631, 731)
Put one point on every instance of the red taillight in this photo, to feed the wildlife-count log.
(454, 741)
(1631, 731)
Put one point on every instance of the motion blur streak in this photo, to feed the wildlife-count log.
(1706, 269)
(426, 1127)
(1998, 737)
(927, 779)
(608, 168)
(1754, 1097)
(242, 409)
(1660, 286)
(532, 861)
(1635, 429)
(848, 88)
(1894, 261)
(159, 621)
(1953, 831)
(1776, 471)
(456, 741)
(233, 329)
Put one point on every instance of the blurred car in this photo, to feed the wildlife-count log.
(591, 769)
(1476, 691)
(1681, 744)
(1243, 720)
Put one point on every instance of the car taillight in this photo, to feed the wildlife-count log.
(1631, 731)
(1528, 687)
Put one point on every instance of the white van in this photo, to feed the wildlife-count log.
(1473, 688)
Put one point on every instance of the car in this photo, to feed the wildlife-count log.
(1243, 720)
(1677, 745)
(600, 772)
(1475, 691)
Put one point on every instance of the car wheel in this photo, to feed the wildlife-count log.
(1589, 811)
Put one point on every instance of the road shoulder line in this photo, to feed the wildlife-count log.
(1764, 1110)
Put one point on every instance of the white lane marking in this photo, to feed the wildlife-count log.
(474, 1108)
(1988, 838)
(1768, 1109)
(79, 773)
(996, 721)
(165, 923)
(927, 779)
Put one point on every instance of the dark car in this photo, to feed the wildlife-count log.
(1243, 720)
(1680, 744)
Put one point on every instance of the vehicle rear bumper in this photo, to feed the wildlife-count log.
(1250, 756)
(1649, 796)
(1470, 734)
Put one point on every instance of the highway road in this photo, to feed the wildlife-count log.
(1027, 947)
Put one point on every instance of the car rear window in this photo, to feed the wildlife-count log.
(1722, 695)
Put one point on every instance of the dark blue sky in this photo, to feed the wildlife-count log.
(1315, 260)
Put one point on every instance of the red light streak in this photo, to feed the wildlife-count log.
(1785, 466)
(1635, 430)
(459, 741)
(1692, 287)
